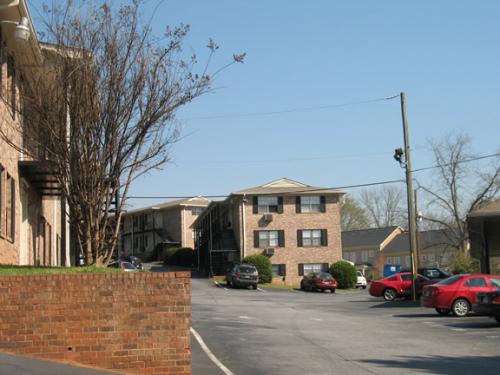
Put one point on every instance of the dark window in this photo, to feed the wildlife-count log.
(495, 282)
(406, 277)
(9, 208)
(475, 282)
(450, 280)
(395, 278)
(196, 210)
(279, 269)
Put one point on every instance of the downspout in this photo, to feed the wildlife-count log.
(243, 222)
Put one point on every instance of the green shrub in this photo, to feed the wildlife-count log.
(263, 265)
(464, 264)
(344, 273)
(179, 256)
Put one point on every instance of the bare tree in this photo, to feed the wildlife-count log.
(102, 109)
(385, 206)
(353, 216)
(458, 187)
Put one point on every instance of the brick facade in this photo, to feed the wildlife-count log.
(239, 218)
(135, 323)
(291, 254)
(168, 224)
(36, 220)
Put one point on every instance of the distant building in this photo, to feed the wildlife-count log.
(164, 225)
(363, 247)
(484, 235)
(296, 225)
(434, 250)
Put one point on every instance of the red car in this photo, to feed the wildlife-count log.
(397, 285)
(318, 281)
(458, 293)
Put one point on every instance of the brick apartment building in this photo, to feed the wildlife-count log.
(163, 225)
(296, 225)
(31, 213)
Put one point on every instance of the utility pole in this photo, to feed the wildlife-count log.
(410, 196)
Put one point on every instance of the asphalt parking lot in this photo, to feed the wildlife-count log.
(294, 332)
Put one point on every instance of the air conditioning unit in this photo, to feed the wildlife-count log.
(269, 251)
(268, 217)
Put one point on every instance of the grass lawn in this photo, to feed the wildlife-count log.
(8, 270)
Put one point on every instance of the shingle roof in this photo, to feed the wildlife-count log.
(366, 237)
(286, 186)
(195, 202)
(431, 239)
(491, 209)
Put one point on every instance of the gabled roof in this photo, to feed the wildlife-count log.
(430, 239)
(491, 209)
(190, 202)
(286, 186)
(372, 237)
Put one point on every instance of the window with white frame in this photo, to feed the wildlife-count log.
(314, 267)
(364, 256)
(268, 238)
(310, 204)
(312, 237)
(267, 204)
(371, 254)
(407, 261)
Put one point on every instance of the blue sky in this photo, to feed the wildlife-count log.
(443, 54)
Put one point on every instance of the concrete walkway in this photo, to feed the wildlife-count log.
(17, 365)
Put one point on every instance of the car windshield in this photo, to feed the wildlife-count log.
(450, 280)
(247, 269)
(359, 273)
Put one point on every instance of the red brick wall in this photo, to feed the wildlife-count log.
(135, 323)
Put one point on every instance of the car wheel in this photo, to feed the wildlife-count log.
(332, 290)
(442, 311)
(254, 286)
(364, 286)
(497, 318)
(390, 294)
(460, 307)
(228, 283)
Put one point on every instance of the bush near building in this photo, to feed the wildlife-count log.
(464, 264)
(344, 273)
(263, 265)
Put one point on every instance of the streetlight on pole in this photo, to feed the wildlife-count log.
(398, 154)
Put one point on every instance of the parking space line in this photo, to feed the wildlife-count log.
(209, 354)
(219, 285)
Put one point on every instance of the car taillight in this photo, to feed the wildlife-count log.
(435, 291)
(495, 301)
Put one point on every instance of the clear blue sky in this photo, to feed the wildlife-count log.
(444, 55)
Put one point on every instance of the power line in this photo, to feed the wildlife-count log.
(288, 160)
(291, 110)
(294, 192)
(458, 162)
(386, 182)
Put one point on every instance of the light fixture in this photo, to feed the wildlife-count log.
(22, 30)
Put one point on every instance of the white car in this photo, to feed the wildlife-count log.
(360, 280)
